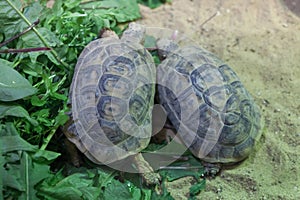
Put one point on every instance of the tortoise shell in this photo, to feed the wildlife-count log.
(206, 102)
(111, 95)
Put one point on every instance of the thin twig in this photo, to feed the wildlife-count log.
(20, 34)
(210, 18)
(25, 50)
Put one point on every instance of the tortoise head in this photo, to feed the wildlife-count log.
(165, 47)
(106, 32)
(135, 32)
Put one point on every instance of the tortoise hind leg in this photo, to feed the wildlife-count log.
(148, 174)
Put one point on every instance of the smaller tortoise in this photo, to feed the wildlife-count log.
(214, 115)
(111, 96)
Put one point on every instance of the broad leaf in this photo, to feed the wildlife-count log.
(11, 141)
(13, 85)
(31, 173)
(22, 165)
(11, 23)
(31, 40)
(121, 11)
(16, 111)
(76, 186)
(89, 184)
(44, 156)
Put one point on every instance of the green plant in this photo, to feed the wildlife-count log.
(153, 3)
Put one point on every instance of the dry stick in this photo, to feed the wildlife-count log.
(25, 50)
(210, 18)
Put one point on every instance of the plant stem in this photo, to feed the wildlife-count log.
(54, 53)
(27, 175)
(48, 138)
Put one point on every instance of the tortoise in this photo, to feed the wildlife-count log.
(213, 113)
(111, 97)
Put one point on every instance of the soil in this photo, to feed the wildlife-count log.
(260, 40)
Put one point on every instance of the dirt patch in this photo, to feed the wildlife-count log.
(180, 188)
(260, 40)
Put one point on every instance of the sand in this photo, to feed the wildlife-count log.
(260, 40)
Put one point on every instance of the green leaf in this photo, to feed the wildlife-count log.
(11, 141)
(31, 173)
(197, 188)
(2, 162)
(129, 10)
(121, 11)
(89, 184)
(31, 40)
(33, 11)
(16, 111)
(153, 3)
(10, 176)
(36, 101)
(188, 167)
(122, 194)
(13, 86)
(44, 156)
(20, 169)
(57, 10)
(11, 23)
(61, 118)
(6, 63)
(72, 3)
(76, 186)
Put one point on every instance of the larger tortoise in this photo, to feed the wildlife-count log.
(206, 102)
(111, 96)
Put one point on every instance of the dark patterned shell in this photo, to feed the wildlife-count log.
(206, 102)
(111, 95)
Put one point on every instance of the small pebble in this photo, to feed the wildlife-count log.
(277, 110)
(190, 20)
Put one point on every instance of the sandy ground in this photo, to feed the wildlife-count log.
(260, 40)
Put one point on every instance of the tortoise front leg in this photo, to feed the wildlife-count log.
(73, 153)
